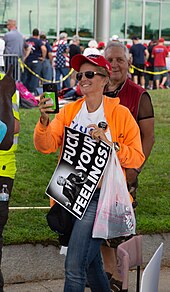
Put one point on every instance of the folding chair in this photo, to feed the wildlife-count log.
(129, 255)
(150, 276)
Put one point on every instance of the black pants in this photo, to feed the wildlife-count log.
(3, 219)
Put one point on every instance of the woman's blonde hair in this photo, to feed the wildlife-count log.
(103, 71)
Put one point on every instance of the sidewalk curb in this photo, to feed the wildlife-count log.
(27, 262)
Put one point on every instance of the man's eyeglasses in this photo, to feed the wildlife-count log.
(88, 74)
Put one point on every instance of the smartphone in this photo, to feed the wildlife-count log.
(50, 90)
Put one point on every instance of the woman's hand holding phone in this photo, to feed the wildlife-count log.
(50, 90)
(48, 102)
(44, 109)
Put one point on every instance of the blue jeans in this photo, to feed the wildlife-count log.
(46, 70)
(63, 72)
(30, 81)
(83, 261)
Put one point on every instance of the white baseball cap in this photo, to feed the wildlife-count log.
(92, 44)
(115, 37)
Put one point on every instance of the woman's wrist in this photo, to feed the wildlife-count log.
(138, 170)
(43, 121)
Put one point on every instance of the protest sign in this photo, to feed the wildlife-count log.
(80, 168)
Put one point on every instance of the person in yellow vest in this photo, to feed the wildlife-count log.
(8, 168)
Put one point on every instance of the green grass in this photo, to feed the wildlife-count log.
(35, 170)
(154, 182)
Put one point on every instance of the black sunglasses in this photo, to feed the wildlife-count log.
(88, 74)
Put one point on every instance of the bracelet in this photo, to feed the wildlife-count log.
(137, 170)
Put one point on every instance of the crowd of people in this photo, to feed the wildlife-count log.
(52, 62)
(152, 58)
(108, 89)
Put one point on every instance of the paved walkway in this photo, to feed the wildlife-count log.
(28, 268)
(57, 285)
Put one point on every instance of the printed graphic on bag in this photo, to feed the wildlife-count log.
(115, 216)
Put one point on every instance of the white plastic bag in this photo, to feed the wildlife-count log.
(114, 216)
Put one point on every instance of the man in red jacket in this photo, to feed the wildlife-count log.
(139, 103)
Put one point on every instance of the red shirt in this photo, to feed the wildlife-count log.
(160, 53)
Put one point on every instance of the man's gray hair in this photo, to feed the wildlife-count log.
(12, 22)
(118, 45)
(75, 38)
(63, 35)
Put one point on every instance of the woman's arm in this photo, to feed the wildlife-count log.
(48, 135)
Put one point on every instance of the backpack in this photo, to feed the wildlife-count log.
(7, 89)
(27, 99)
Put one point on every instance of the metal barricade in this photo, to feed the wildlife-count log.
(11, 59)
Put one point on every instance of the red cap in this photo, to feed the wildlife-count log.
(101, 44)
(128, 46)
(161, 40)
(97, 60)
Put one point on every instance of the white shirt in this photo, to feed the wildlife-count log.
(83, 119)
(2, 47)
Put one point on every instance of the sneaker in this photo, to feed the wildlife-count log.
(161, 86)
(115, 285)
